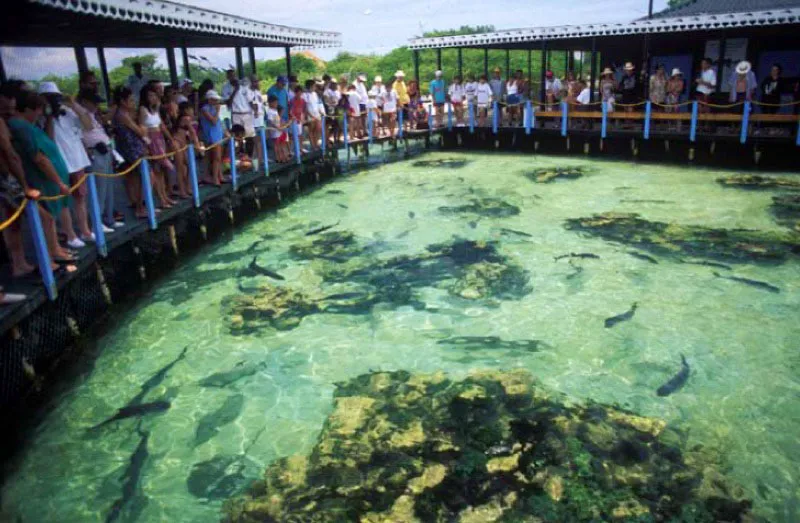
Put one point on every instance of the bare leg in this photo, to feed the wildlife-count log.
(13, 237)
(66, 224)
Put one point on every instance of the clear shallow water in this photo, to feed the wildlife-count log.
(741, 342)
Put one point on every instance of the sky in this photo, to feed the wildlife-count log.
(367, 26)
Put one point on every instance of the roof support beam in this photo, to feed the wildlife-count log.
(101, 58)
(543, 73)
(439, 59)
(239, 62)
(530, 71)
(80, 58)
(251, 52)
(593, 72)
(486, 62)
(460, 64)
(172, 65)
(187, 72)
(288, 62)
(3, 77)
(508, 65)
(415, 56)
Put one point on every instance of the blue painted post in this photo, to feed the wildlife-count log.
(347, 134)
(430, 119)
(147, 188)
(369, 126)
(262, 135)
(471, 112)
(528, 115)
(324, 138)
(193, 175)
(494, 117)
(693, 128)
(399, 124)
(604, 124)
(296, 140)
(97, 218)
(234, 170)
(745, 122)
(533, 117)
(42, 254)
(648, 111)
(450, 117)
(564, 118)
(797, 141)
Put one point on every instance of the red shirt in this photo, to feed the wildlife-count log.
(297, 108)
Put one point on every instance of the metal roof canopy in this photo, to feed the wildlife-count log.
(144, 23)
(522, 38)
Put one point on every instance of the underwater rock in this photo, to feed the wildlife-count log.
(490, 207)
(786, 210)
(334, 246)
(670, 239)
(270, 305)
(547, 175)
(495, 446)
(754, 181)
(449, 163)
(495, 280)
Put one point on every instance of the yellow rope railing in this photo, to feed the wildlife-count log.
(14, 216)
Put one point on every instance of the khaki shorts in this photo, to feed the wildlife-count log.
(246, 121)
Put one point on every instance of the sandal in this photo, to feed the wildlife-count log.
(65, 270)
(65, 261)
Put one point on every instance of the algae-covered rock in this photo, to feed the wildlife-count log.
(489, 207)
(669, 239)
(279, 307)
(550, 174)
(482, 280)
(494, 446)
(754, 181)
(448, 163)
(332, 245)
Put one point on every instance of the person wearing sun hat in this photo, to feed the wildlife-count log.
(629, 87)
(608, 87)
(742, 83)
(400, 87)
(675, 87)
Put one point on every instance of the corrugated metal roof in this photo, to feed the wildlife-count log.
(180, 16)
(702, 7)
(671, 24)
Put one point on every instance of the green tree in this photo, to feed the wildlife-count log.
(678, 3)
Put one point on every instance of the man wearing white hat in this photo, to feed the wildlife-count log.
(742, 83)
(629, 87)
(438, 95)
(378, 93)
(363, 98)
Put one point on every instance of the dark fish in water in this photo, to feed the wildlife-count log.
(411, 214)
(334, 191)
(581, 255)
(256, 268)
(156, 379)
(644, 257)
(131, 411)
(210, 423)
(491, 342)
(221, 477)
(318, 230)
(518, 233)
(131, 489)
(473, 225)
(577, 269)
(646, 201)
(223, 379)
(254, 245)
(623, 188)
(461, 179)
(343, 206)
(345, 296)
(708, 264)
(619, 318)
(753, 283)
(402, 234)
(677, 381)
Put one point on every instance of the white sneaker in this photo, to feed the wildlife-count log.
(76, 243)
(107, 229)
(89, 239)
(117, 225)
(8, 298)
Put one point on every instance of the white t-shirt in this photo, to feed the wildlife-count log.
(511, 87)
(353, 99)
(274, 121)
(68, 134)
(379, 91)
(457, 93)
(240, 103)
(708, 76)
(258, 116)
(363, 95)
(313, 105)
(470, 88)
(227, 91)
(372, 105)
(390, 102)
(484, 94)
(553, 86)
(331, 97)
(584, 96)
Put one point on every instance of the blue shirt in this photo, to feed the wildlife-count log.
(283, 100)
(437, 91)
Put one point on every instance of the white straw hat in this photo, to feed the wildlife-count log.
(438, 74)
(606, 71)
(677, 72)
(629, 66)
(48, 88)
(743, 67)
(213, 95)
(379, 78)
(400, 74)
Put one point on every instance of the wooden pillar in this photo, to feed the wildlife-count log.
(3, 77)
(486, 62)
(593, 72)
(80, 58)
(251, 52)
(239, 63)
(187, 72)
(172, 65)
(646, 61)
(721, 63)
(530, 70)
(569, 62)
(460, 64)
(508, 64)
(415, 56)
(439, 59)
(101, 58)
(288, 62)
(543, 73)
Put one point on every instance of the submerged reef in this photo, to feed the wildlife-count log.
(550, 174)
(786, 210)
(445, 163)
(333, 246)
(670, 239)
(495, 446)
(754, 181)
(488, 207)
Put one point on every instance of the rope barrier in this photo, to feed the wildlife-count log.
(14, 216)
(71, 190)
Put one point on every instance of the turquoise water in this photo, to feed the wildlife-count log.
(741, 342)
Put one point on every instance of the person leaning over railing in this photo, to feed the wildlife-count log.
(44, 169)
(212, 133)
(149, 117)
(131, 140)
